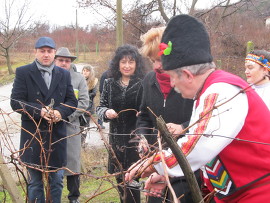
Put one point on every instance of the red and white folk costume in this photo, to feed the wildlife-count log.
(238, 170)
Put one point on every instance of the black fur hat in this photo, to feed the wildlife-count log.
(188, 43)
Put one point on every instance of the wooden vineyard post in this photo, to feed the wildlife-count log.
(9, 183)
(189, 175)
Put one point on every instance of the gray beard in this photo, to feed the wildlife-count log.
(177, 90)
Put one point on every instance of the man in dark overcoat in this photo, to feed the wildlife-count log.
(39, 90)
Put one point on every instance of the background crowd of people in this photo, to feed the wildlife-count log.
(183, 85)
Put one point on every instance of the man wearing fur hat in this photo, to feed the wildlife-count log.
(227, 115)
(64, 59)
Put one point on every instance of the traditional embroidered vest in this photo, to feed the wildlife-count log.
(241, 163)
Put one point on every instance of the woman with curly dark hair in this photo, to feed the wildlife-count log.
(123, 91)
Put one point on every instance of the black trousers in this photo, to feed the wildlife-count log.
(132, 196)
(73, 186)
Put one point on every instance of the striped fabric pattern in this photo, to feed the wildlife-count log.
(205, 116)
(218, 177)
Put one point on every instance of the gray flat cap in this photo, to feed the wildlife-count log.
(45, 42)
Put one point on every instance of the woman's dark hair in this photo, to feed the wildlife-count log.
(132, 53)
(266, 54)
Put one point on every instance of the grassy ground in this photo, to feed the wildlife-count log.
(94, 164)
(94, 160)
(17, 59)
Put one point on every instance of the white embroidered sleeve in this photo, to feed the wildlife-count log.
(217, 120)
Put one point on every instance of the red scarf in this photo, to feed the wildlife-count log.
(164, 83)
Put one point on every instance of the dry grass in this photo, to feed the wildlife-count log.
(94, 161)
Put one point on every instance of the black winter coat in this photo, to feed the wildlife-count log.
(175, 109)
(29, 88)
(117, 97)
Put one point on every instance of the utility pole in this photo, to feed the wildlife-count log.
(119, 24)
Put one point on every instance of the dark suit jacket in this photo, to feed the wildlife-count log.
(29, 93)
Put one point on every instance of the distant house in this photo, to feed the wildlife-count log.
(267, 22)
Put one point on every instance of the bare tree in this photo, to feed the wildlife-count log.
(13, 25)
(192, 8)
(165, 9)
(162, 12)
(140, 15)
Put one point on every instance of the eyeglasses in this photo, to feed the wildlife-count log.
(64, 60)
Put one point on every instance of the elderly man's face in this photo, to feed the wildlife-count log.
(182, 83)
(63, 62)
(45, 55)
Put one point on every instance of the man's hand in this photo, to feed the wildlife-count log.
(140, 167)
(45, 113)
(174, 129)
(50, 115)
(56, 116)
(155, 184)
(143, 146)
(111, 114)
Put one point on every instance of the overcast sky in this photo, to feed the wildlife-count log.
(63, 12)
